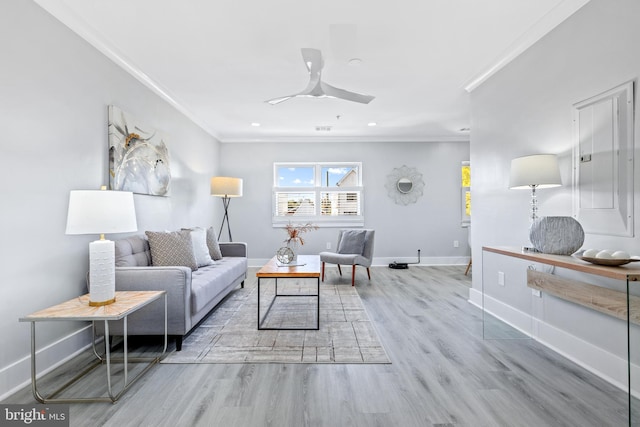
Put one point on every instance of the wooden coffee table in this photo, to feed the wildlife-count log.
(307, 267)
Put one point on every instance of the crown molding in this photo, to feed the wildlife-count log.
(541, 28)
(345, 139)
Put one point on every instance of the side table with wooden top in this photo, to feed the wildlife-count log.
(78, 309)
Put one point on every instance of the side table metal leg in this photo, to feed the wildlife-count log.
(126, 351)
(34, 386)
(93, 341)
(107, 348)
(166, 322)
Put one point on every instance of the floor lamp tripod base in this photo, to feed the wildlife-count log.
(225, 218)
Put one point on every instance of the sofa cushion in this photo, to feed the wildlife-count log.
(212, 244)
(209, 281)
(200, 248)
(132, 251)
(172, 248)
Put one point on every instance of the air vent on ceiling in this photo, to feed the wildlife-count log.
(323, 128)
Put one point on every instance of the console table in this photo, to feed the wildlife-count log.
(629, 272)
(78, 309)
(608, 301)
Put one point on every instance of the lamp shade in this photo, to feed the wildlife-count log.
(539, 170)
(101, 212)
(225, 186)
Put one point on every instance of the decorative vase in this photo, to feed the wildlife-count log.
(560, 235)
(293, 245)
(284, 255)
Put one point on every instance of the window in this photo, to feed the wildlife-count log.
(322, 193)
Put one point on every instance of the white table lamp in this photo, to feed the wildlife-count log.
(532, 172)
(226, 187)
(101, 212)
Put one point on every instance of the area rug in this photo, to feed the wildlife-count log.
(230, 334)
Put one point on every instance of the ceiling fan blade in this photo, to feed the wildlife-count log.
(313, 89)
(275, 101)
(345, 94)
(312, 59)
(316, 87)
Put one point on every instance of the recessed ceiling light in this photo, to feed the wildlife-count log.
(372, 124)
(354, 62)
(255, 124)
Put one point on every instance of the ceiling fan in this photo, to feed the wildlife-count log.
(316, 87)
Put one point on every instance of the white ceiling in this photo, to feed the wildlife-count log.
(219, 60)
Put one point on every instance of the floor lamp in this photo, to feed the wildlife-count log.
(226, 187)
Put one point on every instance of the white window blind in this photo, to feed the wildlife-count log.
(323, 193)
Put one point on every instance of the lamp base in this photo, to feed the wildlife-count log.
(101, 303)
(102, 276)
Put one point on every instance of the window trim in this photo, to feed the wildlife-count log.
(317, 189)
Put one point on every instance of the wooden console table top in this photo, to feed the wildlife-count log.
(629, 272)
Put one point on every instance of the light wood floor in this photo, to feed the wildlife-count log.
(442, 374)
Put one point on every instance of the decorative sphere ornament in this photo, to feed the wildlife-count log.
(284, 255)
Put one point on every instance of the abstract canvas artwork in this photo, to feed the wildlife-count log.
(138, 156)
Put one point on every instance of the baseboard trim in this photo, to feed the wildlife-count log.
(385, 261)
(18, 375)
(608, 366)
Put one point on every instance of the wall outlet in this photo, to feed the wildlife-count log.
(328, 245)
(536, 293)
(501, 278)
(456, 244)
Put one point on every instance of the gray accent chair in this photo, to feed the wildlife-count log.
(341, 257)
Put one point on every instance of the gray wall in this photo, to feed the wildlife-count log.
(526, 108)
(54, 93)
(431, 224)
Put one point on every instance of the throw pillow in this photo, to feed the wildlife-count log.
(352, 242)
(212, 243)
(172, 248)
(200, 248)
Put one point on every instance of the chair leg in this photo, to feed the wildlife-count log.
(339, 269)
(323, 271)
(353, 275)
(468, 267)
(368, 273)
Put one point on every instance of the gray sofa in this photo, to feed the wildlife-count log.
(191, 295)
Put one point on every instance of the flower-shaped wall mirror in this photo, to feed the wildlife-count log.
(404, 185)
